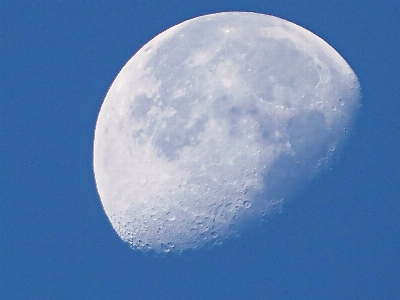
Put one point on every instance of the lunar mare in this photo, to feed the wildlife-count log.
(213, 123)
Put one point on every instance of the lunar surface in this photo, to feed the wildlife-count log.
(213, 124)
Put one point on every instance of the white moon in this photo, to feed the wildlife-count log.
(213, 123)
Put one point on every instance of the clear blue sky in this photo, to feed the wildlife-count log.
(339, 239)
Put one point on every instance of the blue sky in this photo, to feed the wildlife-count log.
(338, 239)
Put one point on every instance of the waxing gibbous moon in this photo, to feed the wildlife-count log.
(213, 124)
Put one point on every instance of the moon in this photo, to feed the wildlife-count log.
(213, 124)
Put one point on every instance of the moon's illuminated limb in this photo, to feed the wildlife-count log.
(212, 123)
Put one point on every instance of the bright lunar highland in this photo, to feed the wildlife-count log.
(213, 124)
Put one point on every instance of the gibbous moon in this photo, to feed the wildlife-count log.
(214, 123)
